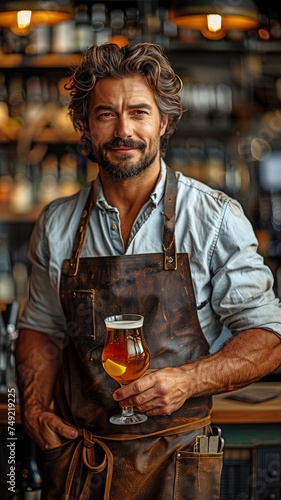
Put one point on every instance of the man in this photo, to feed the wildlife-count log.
(139, 239)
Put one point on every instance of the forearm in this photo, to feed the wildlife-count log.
(38, 359)
(247, 357)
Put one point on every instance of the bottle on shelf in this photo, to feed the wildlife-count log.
(83, 32)
(117, 22)
(9, 124)
(49, 186)
(39, 40)
(34, 99)
(132, 29)
(61, 122)
(29, 476)
(168, 31)
(21, 200)
(4, 109)
(6, 180)
(100, 23)
(7, 284)
(16, 98)
(21, 280)
(68, 175)
(63, 37)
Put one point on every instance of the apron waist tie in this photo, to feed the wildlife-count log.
(85, 450)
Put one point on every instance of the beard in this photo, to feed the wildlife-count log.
(124, 168)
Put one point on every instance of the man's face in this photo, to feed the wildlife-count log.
(124, 126)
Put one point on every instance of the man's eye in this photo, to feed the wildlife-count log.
(140, 112)
(107, 114)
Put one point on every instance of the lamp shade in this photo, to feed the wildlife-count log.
(235, 15)
(42, 12)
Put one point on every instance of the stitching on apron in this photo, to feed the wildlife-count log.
(198, 474)
(177, 478)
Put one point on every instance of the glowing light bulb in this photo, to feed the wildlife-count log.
(214, 22)
(24, 18)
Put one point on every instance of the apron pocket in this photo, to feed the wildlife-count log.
(50, 454)
(197, 476)
(56, 465)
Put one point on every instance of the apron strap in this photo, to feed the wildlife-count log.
(80, 234)
(169, 214)
(85, 447)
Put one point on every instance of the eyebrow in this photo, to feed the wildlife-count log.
(102, 107)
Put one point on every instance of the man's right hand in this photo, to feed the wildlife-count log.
(37, 374)
(48, 430)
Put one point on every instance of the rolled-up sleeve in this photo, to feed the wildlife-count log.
(42, 311)
(242, 294)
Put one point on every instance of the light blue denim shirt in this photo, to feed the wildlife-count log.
(232, 285)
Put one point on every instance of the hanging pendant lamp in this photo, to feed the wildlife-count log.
(214, 18)
(21, 16)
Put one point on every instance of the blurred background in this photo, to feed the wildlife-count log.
(229, 138)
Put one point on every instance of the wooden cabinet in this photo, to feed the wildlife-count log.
(252, 434)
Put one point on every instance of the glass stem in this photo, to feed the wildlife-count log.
(127, 411)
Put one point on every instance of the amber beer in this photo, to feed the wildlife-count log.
(125, 356)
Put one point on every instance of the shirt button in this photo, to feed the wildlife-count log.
(114, 227)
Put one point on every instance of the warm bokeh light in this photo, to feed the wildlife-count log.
(24, 18)
(214, 22)
(264, 34)
(119, 40)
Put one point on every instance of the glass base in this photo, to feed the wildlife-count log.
(136, 418)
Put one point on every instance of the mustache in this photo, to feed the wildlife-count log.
(129, 143)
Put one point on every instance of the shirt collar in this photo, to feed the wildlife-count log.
(156, 195)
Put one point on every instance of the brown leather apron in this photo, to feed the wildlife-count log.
(145, 460)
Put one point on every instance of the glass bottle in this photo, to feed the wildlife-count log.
(29, 476)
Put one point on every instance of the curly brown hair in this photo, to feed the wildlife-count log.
(109, 60)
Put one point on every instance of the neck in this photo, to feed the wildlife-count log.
(122, 193)
(129, 195)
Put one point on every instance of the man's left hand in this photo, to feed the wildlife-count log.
(158, 392)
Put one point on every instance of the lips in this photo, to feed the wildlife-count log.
(124, 146)
(123, 150)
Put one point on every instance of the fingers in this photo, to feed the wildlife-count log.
(153, 404)
(155, 408)
(137, 387)
(159, 393)
(50, 431)
(149, 402)
(59, 427)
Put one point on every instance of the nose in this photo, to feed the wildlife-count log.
(123, 127)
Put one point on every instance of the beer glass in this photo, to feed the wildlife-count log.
(125, 357)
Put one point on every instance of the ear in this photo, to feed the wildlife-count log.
(163, 125)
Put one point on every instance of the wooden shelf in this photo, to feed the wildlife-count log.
(39, 61)
(45, 135)
(7, 216)
(227, 411)
(57, 60)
